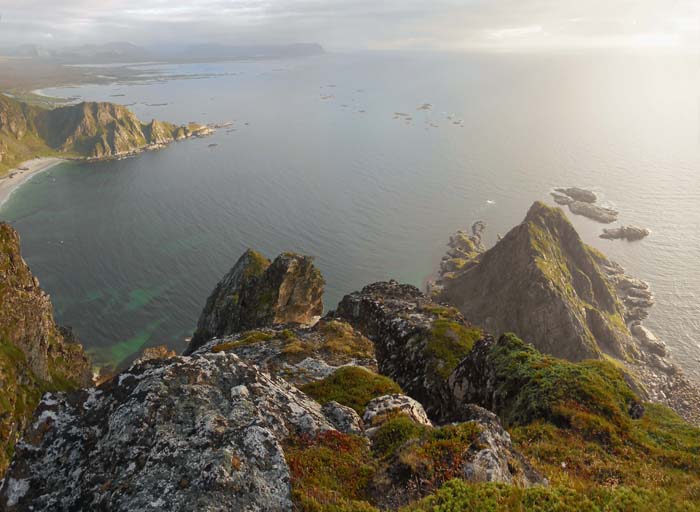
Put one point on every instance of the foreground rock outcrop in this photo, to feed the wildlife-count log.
(36, 355)
(87, 130)
(195, 432)
(257, 293)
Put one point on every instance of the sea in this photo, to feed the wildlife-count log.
(367, 161)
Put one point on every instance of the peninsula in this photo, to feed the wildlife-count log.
(84, 131)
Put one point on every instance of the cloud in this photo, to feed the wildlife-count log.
(340, 24)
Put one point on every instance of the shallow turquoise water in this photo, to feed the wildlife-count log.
(130, 249)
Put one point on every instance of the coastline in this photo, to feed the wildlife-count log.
(17, 177)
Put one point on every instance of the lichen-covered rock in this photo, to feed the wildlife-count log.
(417, 341)
(300, 354)
(543, 283)
(256, 293)
(496, 460)
(383, 408)
(185, 433)
(36, 355)
(343, 418)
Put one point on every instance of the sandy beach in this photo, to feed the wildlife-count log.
(16, 177)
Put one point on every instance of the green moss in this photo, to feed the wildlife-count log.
(337, 344)
(351, 386)
(330, 472)
(536, 386)
(442, 312)
(247, 338)
(449, 343)
(439, 454)
(394, 433)
(572, 421)
(257, 264)
(457, 496)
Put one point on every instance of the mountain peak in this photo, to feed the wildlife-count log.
(544, 283)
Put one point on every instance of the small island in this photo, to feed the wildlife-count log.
(582, 202)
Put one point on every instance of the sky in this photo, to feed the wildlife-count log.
(501, 25)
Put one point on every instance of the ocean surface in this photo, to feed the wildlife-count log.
(317, 161)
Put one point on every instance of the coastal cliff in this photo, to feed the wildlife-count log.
(390, 401)
(36, 355)
(87, 130)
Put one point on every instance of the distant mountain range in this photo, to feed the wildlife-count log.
(128, 52)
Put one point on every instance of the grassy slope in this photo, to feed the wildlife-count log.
(571, 420)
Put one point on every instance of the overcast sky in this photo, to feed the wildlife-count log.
(360, 24)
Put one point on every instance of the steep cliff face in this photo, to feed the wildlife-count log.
(35, 354)
(542, 282)
(256, 293)
(88, 129)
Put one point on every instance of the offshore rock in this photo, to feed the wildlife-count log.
(629, 233)
(178, 434)
(594, 212)
(417, 341)
(561, 199)
(299, 355)
(256, 293)
(36, 355)
(578, 194)
(542, 282)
